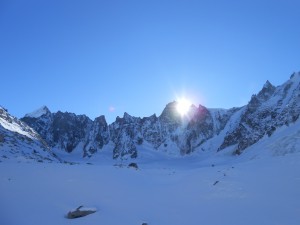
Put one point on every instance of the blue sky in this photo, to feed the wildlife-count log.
(108, 57)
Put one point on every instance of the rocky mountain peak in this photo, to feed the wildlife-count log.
(295, 76)
(201, 128)
(101, 120)
(170, 114)
(202, 109)
(150, 119)
(268, 85)
(266, 92)
(39, 112)
(127, 118)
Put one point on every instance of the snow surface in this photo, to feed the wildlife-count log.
(14, 126)
(254, 192)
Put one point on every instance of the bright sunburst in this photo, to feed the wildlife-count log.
(183, 106)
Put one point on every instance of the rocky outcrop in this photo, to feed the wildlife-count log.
(80, 212)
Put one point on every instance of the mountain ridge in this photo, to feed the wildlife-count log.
(202, 129)
(21, 142)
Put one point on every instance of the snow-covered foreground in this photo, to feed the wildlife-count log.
(255, 192)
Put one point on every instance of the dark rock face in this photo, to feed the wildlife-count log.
(199, 129)
(170, 117)
(66, 131)
(124, 134)
(69, 130)
(241, 127)
(98, 136)
(151, 131)
(269, 109)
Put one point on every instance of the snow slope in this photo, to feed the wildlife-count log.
(261, 191)
(284, 140)
(19, 142)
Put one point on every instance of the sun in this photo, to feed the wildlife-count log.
(183, 106)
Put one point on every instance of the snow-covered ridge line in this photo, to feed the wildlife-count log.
(202, 130)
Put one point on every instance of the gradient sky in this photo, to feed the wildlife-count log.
(108, 57)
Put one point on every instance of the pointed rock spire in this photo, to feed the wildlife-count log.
(268, 84)
(266, 92)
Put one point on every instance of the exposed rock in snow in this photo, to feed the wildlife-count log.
(80, 212)
(133, 165)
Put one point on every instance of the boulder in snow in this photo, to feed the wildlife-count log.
(133, 165)
(80, 212)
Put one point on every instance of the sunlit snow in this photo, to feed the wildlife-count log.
(264, 191)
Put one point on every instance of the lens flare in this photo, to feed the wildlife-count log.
(183, 106)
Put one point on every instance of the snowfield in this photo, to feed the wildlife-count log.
(263, 191)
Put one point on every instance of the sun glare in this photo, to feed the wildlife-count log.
(183, 106)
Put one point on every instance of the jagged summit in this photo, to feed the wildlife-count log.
(128, 118)
(201, 129)
(295, 76)
(170, 113)
(266, 92)
(268, 85)
(39, 112)
(101, 119)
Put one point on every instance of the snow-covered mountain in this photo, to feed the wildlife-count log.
(202, 130)
(168, 133)
(177, 189)
(20, 142)
(67, 131)
(272, 108)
